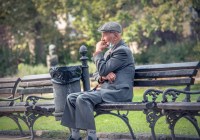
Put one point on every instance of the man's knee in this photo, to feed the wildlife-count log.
(71, 98)
(82, 99)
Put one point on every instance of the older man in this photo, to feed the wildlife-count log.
(115, 73)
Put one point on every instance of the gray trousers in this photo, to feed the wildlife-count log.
(79, 110)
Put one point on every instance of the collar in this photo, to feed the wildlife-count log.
(121, 42)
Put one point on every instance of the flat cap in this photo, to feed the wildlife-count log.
(110, 27)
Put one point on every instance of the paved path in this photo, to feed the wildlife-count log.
(102, 136)
(18, 138)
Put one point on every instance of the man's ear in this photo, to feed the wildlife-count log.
(116, 35)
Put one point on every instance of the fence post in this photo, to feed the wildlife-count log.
(85, 71)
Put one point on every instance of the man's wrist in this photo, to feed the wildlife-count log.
(100, 80)
(96, 52)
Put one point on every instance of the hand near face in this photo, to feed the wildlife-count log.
(100, 46)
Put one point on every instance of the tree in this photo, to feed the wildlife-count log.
(149, 22)
(89, 15)
(32, 21)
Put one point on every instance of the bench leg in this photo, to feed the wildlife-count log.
(152, 116)
(31, 118)
(121, 116)
(172, 118)
(15, 118)
(193, 120)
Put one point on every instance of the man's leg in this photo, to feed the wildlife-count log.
(75, 134)
(68, 118)
(91, 135)
(85, 112)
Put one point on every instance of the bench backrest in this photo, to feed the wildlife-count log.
(35, 84)
(174, 74)
(8, 87)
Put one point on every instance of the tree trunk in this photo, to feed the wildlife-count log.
(39, 47)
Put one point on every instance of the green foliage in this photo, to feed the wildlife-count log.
(17, 15)
(89, 15)
(157, 16)
(24, 69)
(7, 57)
(171, 52)
(33, 22)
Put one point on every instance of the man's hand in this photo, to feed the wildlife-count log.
(110, 77)
(100, 46)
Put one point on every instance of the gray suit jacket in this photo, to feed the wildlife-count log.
(120, 61)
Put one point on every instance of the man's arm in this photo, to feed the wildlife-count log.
(117, 60)
(100, 79)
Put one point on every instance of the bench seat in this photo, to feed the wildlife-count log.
(127, 106)
(13, 109)
(190, 106)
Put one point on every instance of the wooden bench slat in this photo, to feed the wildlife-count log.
(35, 90)
(44, 104)
(172, 82)
(4, 103)
(11, 109)
(7, 85)
(172, 66)
(124, 106)
(6, 91)
(36, 77)
(36, 84)
(8, 80)
(179, 105)
(165, 74)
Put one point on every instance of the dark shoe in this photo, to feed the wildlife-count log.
(89, 138)
(70, 138)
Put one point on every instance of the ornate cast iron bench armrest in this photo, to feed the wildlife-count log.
(32, 100)
(11, 99)
(174, 93)
(175, 110)
(153, 93)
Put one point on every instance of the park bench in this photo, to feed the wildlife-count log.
(36, 93)
(28, 90)
(151, 76)
(8, 96)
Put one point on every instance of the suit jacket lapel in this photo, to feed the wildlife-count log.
(107, 55)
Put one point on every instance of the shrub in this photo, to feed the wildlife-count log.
(170, 52)
(25, 69)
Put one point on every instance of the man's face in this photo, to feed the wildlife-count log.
(107, 37)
